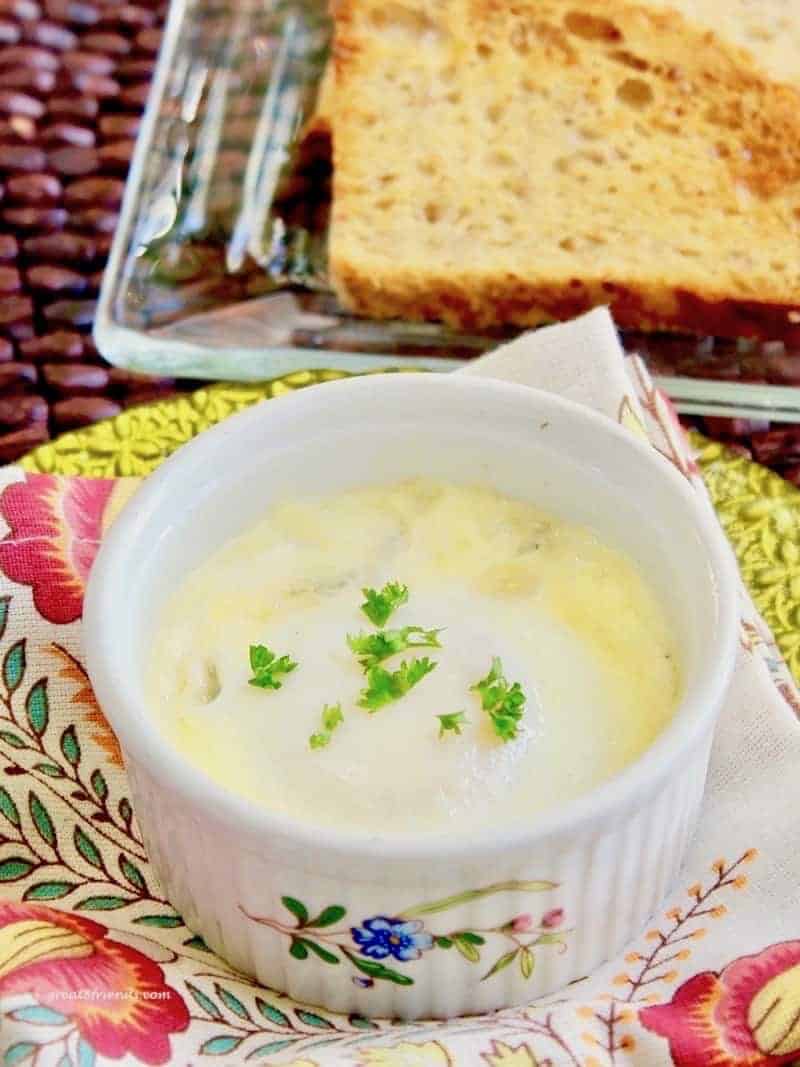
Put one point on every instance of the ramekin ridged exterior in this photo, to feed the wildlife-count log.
(605, 885)
(439, 924)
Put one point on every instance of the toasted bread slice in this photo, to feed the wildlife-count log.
(518, 161)
(768, 29)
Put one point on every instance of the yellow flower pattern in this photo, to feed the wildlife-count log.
(760, 513)
(407, 1054)
(503, 1055)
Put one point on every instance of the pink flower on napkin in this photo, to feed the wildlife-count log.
(55, 529)
(115, 996)
(748, 1015)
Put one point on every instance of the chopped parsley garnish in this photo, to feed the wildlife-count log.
(504, 703)
(373, 649)
(378, 606)
(452, 722)
(266, 667)
(331, 718)
(384, 687)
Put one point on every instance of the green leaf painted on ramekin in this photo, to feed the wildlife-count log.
(470, 938)
(551, 937)
(476, 894)
(14, 666)
(328, 916)
(467, 950)
(298, 909)
(377, 970)
(41, 819)
(501, 964)
(320, 950)
(37, 707)
(298, 949)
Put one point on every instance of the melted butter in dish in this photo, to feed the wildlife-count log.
(572, 620)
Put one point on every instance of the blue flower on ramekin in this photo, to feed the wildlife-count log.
(381, 937)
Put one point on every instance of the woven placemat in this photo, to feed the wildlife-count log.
(74, 77)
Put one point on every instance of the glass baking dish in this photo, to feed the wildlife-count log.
(218, 265)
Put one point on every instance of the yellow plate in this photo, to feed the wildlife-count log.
(759, 511)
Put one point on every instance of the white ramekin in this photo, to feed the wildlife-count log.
(593, 870)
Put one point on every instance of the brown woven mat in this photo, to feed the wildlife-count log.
(74, 77)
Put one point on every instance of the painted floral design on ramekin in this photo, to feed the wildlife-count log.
(115, 997)
(55, 528)
(747, 1015)
(404, 938)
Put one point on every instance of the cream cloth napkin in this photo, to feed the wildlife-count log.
(96, 968)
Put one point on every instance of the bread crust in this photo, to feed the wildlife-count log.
(471, 306)
(720, 148)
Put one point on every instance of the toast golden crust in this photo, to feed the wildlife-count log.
(533, 304)
(515, 161)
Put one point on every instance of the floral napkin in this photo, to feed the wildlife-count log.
(96, 967)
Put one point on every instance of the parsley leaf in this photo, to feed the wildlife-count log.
(331, 718)
(453, 721)
(384, 686)
(505, 703)
(266, 666)
(378, 606)
(375, 648)
(490, 687)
